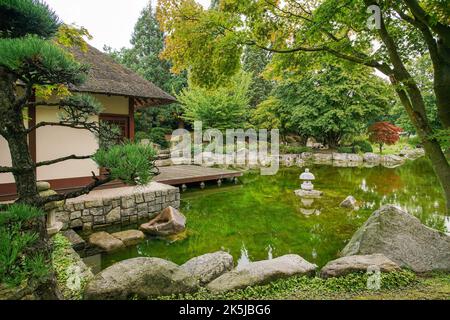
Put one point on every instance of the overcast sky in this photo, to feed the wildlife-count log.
(110, 22)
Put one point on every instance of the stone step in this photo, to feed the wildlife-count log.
(77, 242)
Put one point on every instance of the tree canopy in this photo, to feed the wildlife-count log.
(305, 34)
(144, 58)
(332, 104)
(225, 107)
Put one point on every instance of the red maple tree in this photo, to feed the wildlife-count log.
(384, 133)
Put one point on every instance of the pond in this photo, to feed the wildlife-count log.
(261, 218)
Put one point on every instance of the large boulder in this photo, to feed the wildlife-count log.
(371, 158)
(209, 266)
(262, 272)
(402, 238)
(346, 265)
(392, 160)
(141, 277)
(105, 241)
(415, 153)
(169, 222)
(353, 157)
(323, 157)
(339, 156)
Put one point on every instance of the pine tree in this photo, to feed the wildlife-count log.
(33, 61)
(147, 44)
(256, 61)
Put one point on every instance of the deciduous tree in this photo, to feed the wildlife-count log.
(304, 32)
(384, 133)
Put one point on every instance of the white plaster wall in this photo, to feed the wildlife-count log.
(5, 160)
(56, 142)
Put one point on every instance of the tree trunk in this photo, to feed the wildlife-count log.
(440, 166)
(412, 99)
(13, 130)
(415, 107)
(442, 90)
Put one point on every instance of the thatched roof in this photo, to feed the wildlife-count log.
(109, 77)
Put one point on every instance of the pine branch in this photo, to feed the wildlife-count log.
(74, 194)
(71, 157)
(91, 126)
(7, 169)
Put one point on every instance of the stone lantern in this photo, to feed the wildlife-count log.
(307, 188)
(53, 226)
(307, 177)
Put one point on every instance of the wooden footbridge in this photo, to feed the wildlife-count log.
(185, 174)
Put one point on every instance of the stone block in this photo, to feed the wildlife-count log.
(93, 203)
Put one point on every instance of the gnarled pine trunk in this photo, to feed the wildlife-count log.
(12, 128)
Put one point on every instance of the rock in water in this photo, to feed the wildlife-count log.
(141, 277)
(350, 203)
(262, 272)
(346, 265)
(169, 222)
(209, 266)
(402, 238)
(105, 241)
(129, 237)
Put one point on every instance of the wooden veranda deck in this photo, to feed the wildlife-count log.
(184, 174)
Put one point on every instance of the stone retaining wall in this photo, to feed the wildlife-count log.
(351, 159)
(123, 206)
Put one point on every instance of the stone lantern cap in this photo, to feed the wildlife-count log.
(308, 176)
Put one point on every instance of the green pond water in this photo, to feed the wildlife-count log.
(261, 218)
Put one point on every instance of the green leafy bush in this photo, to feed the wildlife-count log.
(129, 162)
(225, 107)
(17, 262)
(286, 149)
(158, 135)
(364, 146)
(355, 149)
(414, 141)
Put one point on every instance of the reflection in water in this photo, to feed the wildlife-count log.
(269, 252)
(308, 209)
(447, 224)
(314, 254)
(264, 210)
(244, 258)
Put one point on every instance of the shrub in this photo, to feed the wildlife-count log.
(347, 149)
(414, 141)
(158, 135)
(18, 262)
(363, 145)
(294, 149)
(131, 163)
(223, 107)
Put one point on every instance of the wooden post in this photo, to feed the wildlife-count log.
(131, 107)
